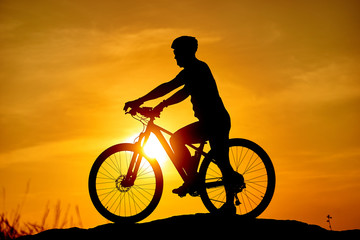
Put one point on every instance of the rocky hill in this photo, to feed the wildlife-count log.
(200, 226)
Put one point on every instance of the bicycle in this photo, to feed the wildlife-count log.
(125, 185)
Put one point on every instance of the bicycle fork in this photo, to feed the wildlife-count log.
(135, 162)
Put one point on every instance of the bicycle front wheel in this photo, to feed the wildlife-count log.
(113, 200)
(253, 163)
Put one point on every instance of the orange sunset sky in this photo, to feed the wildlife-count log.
(287, 71)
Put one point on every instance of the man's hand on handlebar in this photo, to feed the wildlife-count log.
(135, 108)
(133, 105)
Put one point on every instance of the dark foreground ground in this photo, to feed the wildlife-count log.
(200, 226)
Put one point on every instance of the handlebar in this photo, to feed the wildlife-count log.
(145, 111)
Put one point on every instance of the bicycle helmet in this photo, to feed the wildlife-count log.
(186, 44)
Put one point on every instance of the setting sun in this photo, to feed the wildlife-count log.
(154, 149)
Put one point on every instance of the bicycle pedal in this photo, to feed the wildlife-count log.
(194, 193)
(182, 195)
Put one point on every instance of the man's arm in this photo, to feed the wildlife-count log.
(161, 90)
(157, 92)
(179, 96)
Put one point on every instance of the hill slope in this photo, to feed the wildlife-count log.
(200, 225)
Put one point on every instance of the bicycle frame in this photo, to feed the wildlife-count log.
(158, 131)
(126, 185)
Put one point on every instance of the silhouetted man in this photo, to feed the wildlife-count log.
(197, 82)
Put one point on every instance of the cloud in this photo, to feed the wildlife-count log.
(332, 82)
(58, 82)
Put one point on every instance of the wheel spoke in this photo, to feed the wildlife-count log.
(248, 159)
(116, 200)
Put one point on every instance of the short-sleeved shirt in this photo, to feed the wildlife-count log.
(200, 84)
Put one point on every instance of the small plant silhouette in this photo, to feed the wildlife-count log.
(329, 221)
(12, 227)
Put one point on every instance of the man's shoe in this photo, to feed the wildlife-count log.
(182, 190)
(235, 181)
(190, 187)
(238, 181)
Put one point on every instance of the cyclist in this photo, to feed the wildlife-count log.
(197, 82)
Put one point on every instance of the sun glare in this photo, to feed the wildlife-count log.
(154, 149)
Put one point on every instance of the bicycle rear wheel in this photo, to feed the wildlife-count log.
(114, 200)
(253, 163)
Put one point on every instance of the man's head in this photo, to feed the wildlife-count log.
(185, 48)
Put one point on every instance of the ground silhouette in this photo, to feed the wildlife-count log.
(200, 226)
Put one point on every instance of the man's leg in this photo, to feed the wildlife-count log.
(219, 142)
(219, 145)
(191, 133)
